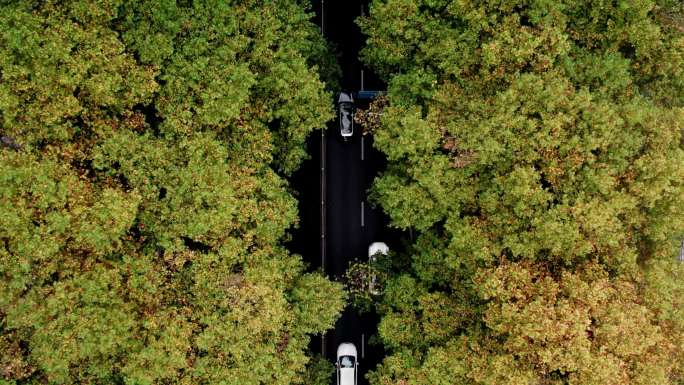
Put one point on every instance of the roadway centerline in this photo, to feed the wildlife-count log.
(323, 188)
(362, 214)
(362, 147)
(363, 345)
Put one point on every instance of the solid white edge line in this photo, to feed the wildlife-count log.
(362, 79)
(323, 345)
(362, 147)
(323, 17)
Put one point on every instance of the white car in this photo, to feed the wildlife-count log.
(375, 249)
(346, 364)
(345, 104)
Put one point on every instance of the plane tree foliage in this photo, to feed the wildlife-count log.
(534, 324)
(143, 209)
(536, 148)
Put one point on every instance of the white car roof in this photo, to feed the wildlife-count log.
(346, 349)
(377, 247)
(347, 376)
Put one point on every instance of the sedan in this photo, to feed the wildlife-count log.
(347, 365)
(374, 250)
(345, 104)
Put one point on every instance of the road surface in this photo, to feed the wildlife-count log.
(350, 223)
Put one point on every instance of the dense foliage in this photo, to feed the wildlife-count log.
(142, 199)
(537, 148)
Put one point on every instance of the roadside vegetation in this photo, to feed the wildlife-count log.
(537, 150)
(142, 192)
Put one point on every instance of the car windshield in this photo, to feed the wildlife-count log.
(347, 361)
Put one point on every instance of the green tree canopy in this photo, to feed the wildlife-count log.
(537, 325)
(538, 136)
(142, 219)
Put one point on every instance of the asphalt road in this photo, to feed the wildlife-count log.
(352, 225)
(348, 177)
